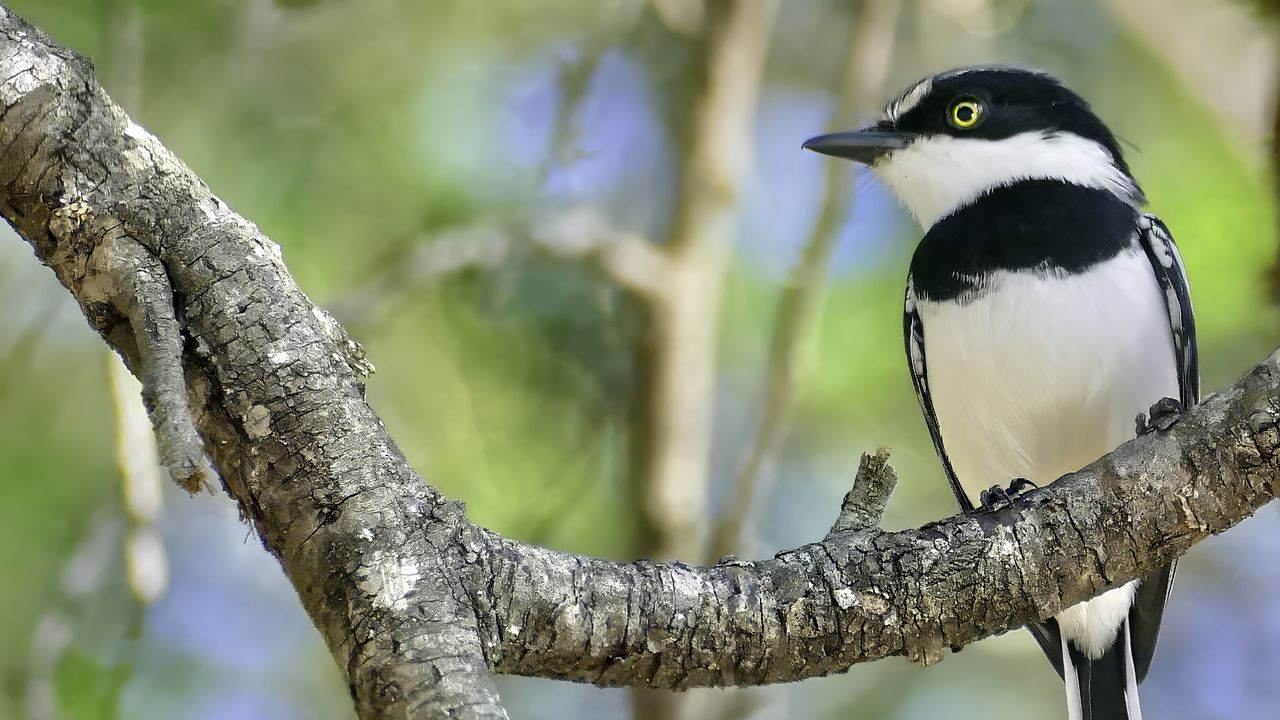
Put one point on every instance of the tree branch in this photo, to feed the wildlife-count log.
(861, 596)
(416, 603)
(625, 258)
(274, 385)
(864, 504)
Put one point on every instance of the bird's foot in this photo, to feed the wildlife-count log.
(998, 497)
(1162, 416)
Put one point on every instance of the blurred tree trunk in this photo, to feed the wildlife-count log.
(865, 68)
(678, 387)
(673, 437)
(1273, 275)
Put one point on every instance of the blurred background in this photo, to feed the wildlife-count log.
(613, 307)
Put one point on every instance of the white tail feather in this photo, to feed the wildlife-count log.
(1074, 710)
(1131, 678)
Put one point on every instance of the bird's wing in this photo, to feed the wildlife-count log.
(1166, 263)
(913, 337)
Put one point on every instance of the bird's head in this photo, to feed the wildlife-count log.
(950, 138)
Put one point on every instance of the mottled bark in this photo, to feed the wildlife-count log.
(417, 604)
(273, 384)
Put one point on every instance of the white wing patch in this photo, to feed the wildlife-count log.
(914, 352)
(1166, 263)
(913, 334)
(1074, 709)
(1131, 679)
(1163, 247)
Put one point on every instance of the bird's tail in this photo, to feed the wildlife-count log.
(1105, 688)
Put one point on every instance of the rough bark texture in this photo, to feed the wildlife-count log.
(273, 383)
(417, 604)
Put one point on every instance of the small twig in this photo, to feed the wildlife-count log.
(496, 241)
(146, 298)
(864, 504)
(579, 234)
(625, 258)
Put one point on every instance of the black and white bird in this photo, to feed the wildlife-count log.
(1045, 311)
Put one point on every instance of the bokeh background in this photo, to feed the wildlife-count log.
(446, 177)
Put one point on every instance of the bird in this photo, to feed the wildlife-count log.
(1046, 314)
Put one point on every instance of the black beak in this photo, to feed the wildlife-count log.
(864, 146)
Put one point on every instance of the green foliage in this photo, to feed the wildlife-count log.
(97, 687)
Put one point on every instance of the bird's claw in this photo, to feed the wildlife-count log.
(1162, 416)
(998, 497)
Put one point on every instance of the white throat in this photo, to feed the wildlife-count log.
(935, 176)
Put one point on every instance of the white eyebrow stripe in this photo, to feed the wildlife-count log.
(908, 100)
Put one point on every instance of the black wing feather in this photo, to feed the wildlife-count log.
(913, 336)
(1166, 263)
(1049, 638)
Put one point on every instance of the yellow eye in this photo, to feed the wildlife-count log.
(965, 113)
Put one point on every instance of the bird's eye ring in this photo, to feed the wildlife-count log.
(964, 113)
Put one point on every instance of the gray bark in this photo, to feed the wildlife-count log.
(417, 604)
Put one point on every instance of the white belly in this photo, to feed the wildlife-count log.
(1041, 376)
